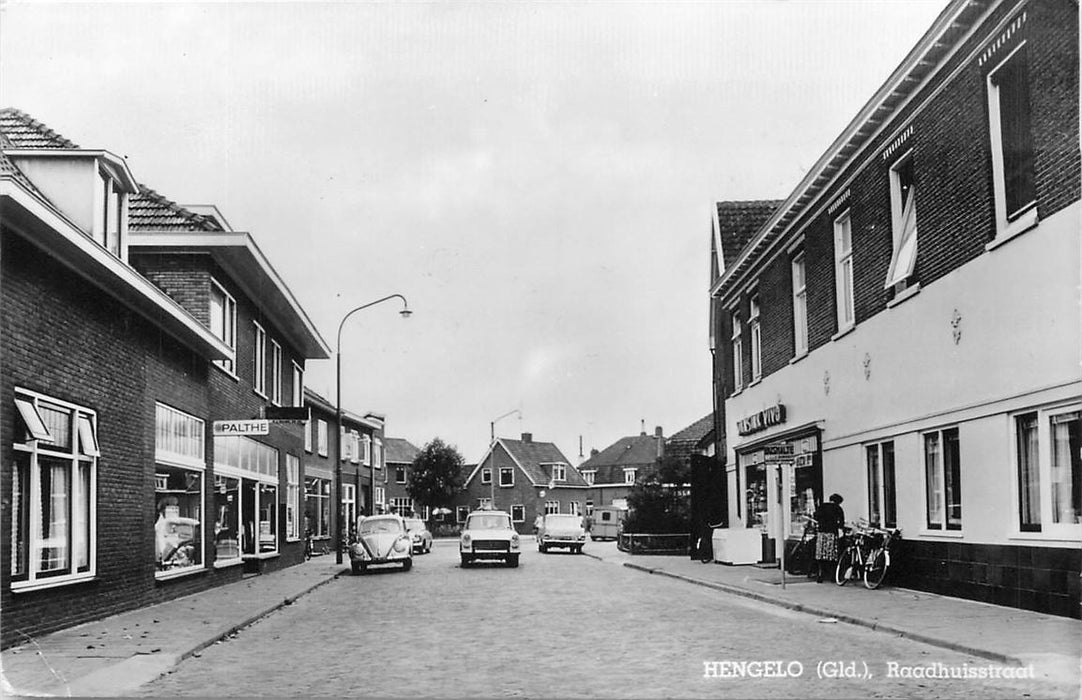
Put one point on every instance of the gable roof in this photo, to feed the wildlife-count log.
(23, 131)
(532, 458)
(399, 451)
(738, 222)
(150, 211)
(635, 451)
(691, 439)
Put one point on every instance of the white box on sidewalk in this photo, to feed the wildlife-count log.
(737, 545)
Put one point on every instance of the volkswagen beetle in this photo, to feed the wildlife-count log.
(381, 539)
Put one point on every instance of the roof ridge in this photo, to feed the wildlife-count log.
(42, 129)
(156, 197)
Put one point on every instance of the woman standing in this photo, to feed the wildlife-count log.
(830, 518)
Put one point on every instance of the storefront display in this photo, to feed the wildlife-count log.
(796, 481)
(227, 521)
(178, 525)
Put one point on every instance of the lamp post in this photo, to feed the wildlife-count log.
(492, 455)
(405, 312)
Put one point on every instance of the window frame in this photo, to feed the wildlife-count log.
(843, 262)
(293, 497)
(228, 319)
(33, 449)
(903, 210)
(168, 456)
(276, 373)
(552, 507)
(883, 488)
(1008, 224)
(297, 385)
(486, 475)
(259, 359)
(800, 304)
(1044, 528)
(630, 474)
(943, 491)
(589, 475)
(400, 474)
(521, 509)
(736, 343)
(321, 437)
(756, 333)
(509, 471)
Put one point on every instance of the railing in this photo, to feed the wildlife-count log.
(675, 544)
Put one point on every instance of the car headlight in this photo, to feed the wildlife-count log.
(401, 545)
(582, 537)
(514, 541)
(360, 551)
(465, 541)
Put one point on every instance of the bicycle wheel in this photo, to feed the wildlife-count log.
(799, 561)
(845, 568)
(876, 570)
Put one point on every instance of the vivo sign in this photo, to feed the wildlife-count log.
(775, 415)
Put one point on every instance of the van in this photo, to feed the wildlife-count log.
(608, 522)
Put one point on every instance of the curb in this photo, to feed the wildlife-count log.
(841, 617)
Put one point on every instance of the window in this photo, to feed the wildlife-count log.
(317, 505)
(629, 475)
(843, 270)
(402, 506)
(381, 496)
(276, 374)
(800, 307)
(223, 321)
(255, 466)
(574, 508)
(903, 207)
(589, 508)
(366, 449)
(377, 453)
(756, 339)
(518, 514)
(1010, 132)
(400, 474)
(259, 363)
(552, 507)
(943, 477)
(738, 354)
(178, 490)
(321, 437)
(308, 436)
(1049, 457)
(114, 205)
(486, 475)
(589, 475)
(559, 472)
(297, 385)
(507, 476)
(352, 442)
(293, 497)
(349, 508)
(461, 512)
(54, 484)
(882, 499)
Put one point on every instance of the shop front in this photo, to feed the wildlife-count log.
(780, 479)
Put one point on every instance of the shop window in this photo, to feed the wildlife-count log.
(1049, 458)
(738, 354)
(756, 339)
(317, 506)
(276, 374)
(227, 518)
(1010, 133)
(800, 307)
(507, 476)
(518, 514)
(178, 490)
(258, 512)
(53, 501)
(552, 507)
(259, 360)
(943, 477)
(223, 322)
(843, 271)
(297, 385)
(293, 497)
(903, 206)
(461, 512)
(255, 467)
(882, 498)
(486, 475)
(755, 494)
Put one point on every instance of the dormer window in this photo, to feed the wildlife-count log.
(559, 473)
(112, 213)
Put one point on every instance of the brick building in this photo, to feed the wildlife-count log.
(906, 320)
(612, 472)
(524, 478)
(399, 455)
(128, 325)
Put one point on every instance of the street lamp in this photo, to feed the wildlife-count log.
(492, 456)
(338, 544)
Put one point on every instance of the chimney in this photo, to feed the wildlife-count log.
(659, 436)
(527, 437)
(642, 426)
(594, 452)
(580, 447)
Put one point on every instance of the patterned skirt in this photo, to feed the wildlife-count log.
(826, 546)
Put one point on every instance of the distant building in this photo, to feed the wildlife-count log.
(612, 472)
(399, 455)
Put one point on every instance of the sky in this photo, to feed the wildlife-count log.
(537, 179)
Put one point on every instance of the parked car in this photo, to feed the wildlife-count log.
(420, 536)
(381, 539)
(561, 530)
(489, 535)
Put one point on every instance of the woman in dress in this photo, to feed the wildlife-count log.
(830, 518)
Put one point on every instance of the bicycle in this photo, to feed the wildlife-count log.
(855, 555)
(801, 559)
(876, 569)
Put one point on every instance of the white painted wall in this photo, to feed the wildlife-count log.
(1019, 347)
(71, 183)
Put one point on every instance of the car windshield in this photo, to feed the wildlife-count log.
(414, 525)
(372, 526)
(488, 522)
(562, 520)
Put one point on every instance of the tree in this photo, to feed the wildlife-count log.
(659, 503)
(435, 477)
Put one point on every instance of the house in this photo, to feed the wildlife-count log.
(138, 364)
(525, 478)
(399, 454)
(903, 327)
(612, 471)
(361, 439)
(696, 446)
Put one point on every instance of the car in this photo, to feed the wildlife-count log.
(419, 534)
(381, 539)
(561, 530)
(489, 535)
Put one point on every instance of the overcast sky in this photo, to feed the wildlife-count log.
(536, 178)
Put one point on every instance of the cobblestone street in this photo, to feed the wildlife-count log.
(560, 625)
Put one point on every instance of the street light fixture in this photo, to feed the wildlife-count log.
(338, 544)
(492, 455)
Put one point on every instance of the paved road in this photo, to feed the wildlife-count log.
(560, 625)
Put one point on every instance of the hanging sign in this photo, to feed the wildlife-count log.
(775, 415)
(223, 428)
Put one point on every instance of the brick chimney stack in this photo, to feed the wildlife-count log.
(527, 437)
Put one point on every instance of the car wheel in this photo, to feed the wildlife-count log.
(542, 548)
(466, 561)
(512, 561)
(407, 565)
(355, 566)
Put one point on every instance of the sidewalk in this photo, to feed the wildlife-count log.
(1005, 635)
(120, 653)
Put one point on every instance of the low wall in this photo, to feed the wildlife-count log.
(675, 544)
